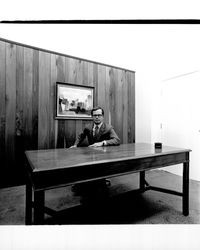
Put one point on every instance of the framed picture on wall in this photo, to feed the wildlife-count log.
(74, 101)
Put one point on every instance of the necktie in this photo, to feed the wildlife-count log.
(96, 132)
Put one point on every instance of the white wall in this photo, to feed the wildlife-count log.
(90, 9)
(155, 52)
(181, 120)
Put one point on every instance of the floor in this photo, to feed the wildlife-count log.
(120, 205)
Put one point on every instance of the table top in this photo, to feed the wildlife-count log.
(51, 159)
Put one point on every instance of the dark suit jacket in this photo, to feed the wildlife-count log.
(106, 133)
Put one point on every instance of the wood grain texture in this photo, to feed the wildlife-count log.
(2, 101)
(61, 77)
(131, 98)
(107, 96)
(101, 90)
(44, 106)
(70, 133)
(10, 116)
(66, 166)
(118, 104)
(60, 63)
(28, 91)
(70, 70)
(67, 69)
(124, 107)
(131, 107)
(19, 90)
(52, 102)
(85, 77)
(69, 125)
(78, 79)
(79, 72)
(35, 98)
(21, 135)
(90, 74)
(28, 79)
(95, 83)
(61, 140)
(50, 159)
(50, 169)
(112, 96)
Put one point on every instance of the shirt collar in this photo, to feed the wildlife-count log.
(99, 125)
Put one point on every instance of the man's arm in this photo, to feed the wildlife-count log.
(111, 140)
(114, 139)
(80, 138)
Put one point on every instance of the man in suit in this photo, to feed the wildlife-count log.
(99, 134)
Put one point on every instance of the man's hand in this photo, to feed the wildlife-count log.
(97, 144)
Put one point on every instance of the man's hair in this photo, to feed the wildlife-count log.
(96, 108)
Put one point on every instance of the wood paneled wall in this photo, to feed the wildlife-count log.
(28, 78)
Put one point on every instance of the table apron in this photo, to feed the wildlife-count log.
(62, 177)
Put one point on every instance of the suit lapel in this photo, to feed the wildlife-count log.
(102, 130)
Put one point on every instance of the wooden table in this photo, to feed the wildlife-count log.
(53, 168)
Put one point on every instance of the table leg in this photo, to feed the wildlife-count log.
(142, 181)
(186, 188)
(28, 216)
(39, 199)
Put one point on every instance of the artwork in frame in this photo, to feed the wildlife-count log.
(74, 101)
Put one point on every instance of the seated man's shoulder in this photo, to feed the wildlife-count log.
(88, 128)
(108, 126)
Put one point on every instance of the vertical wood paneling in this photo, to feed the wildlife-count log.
(27, 99)
(10, 102)
(70, 132)
(112, 95)
(85, 73)
(28, 91)
(78, 127)
(95, 83)
(79, 70)
(90, 74)
(131, 107)
(85, 81)
(78, 79)
(61, 140)
(61, 72)
(101, 96)
(60, 63)
(70, 125)
(132, 104)
(71, 70)
(19, 90)
(52, 101)
(118, 104)
(91, 82)
(20, 134)
(35, 99)
(125, 107)
(67, 69)
(44, 88)
(107, 95)
(2, 100)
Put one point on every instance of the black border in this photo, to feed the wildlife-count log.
(107, 21)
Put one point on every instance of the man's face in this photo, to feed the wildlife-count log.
(97, 116)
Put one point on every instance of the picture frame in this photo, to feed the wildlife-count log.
(74, 101)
